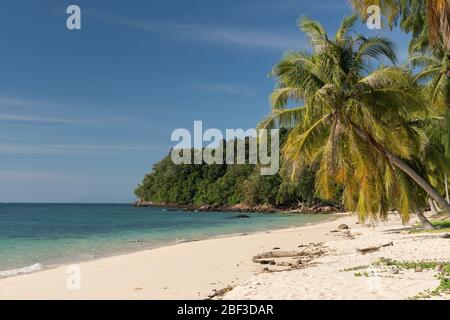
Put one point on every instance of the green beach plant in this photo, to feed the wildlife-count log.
(442, 268)
(354, 120)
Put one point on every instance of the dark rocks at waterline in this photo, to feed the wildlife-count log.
(241, 207)
(313, 209)
(343, 227)
(240, 216)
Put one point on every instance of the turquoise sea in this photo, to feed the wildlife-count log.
(51, 234)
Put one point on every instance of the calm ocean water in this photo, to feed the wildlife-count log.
(50, 234)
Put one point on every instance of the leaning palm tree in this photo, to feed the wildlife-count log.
(434, 64)
(354, 121)
(428, 20)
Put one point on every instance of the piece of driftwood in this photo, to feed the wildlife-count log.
(277, 254)
(271, 262)
(290, 260)
(372, 249)
(289, 254)
(219, 293)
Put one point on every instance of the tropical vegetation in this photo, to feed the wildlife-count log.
(427, 20)
(227, 185)
(358, 121)
(358, 128)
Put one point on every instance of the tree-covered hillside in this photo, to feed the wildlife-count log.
(224, 184)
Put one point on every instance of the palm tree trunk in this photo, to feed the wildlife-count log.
(438, 209)
(446, 188)
(425, 222)
(402, 165)
(432, 207)
(445, 27)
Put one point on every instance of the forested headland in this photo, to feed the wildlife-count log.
(238, 187)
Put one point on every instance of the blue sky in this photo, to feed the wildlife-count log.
(84, 114)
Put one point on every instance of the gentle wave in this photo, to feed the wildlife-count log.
(15, 272)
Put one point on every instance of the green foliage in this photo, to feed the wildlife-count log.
(428, 21)
(433, 71)
(356, 268)
(440, 225)
(443, 275)
(355, 111)
(438, 230)
(204, 184)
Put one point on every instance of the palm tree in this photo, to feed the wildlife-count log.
(435, 73)
(429, 18)
(354, 121)
(434, 64)
(438, 13)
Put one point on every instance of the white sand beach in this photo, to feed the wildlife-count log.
(345, 273)
(193, 270)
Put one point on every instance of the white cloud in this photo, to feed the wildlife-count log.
(72, 149)
(221, 34)
(228, 88)
(35, 176)
(6, 101)
(33, 118)
(24, 110)
(9, 103)
(289, 5)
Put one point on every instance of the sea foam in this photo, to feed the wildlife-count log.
(15, 272)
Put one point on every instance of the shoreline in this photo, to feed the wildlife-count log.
(188, 270)
(207, 269)
(53, 264)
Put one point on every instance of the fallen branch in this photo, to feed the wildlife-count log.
(308, 251)
(219, 293)
(372, 249)
(277, 254)
(271, 262)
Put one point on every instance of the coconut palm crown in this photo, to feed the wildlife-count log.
(427, 20)
(354, 119)
(434, 64)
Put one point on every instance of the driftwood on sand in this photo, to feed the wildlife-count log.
(372, 249)
(218, 294)
(308, 251)
(290, 259)
(277, 254)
